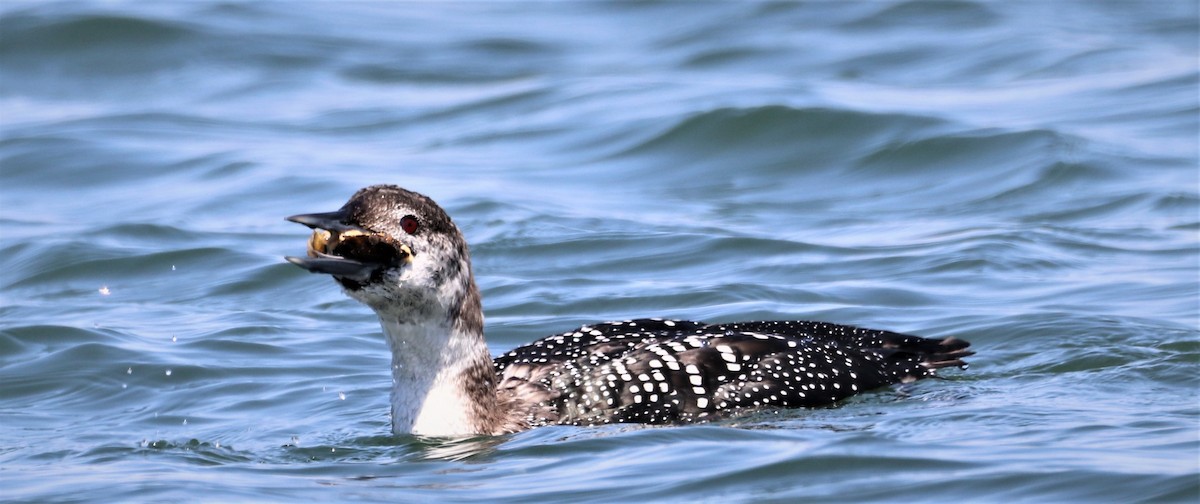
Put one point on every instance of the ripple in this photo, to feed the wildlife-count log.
(917, 15)
(34, 35)
(785, 133)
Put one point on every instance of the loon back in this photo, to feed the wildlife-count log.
(674, 371)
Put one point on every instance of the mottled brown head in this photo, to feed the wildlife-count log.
(392, 249)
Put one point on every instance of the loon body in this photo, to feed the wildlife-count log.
(400, 254)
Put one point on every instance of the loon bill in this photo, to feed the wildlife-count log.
(398, 252)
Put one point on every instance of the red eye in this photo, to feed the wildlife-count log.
(409, 224)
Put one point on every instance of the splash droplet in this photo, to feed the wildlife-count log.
(168, 372)
(104, 290)
(184, 421)
(172, 267)
(174, 339)
(129, 371)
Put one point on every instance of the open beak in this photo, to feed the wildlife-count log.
(330, 231)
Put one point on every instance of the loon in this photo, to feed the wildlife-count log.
(399, 253)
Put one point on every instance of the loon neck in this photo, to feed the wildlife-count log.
(443, 382)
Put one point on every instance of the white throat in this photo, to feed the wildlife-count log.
(430, 371)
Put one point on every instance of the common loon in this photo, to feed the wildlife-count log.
(399, 253)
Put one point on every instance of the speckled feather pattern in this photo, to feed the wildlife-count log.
(672, 371)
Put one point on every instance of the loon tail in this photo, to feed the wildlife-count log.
(948, 352)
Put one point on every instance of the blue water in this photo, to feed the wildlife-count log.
(1022, 175)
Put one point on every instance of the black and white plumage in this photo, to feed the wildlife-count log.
(400, 254)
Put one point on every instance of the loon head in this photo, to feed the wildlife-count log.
(394, 250)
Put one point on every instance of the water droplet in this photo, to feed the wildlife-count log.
(216, 444)
(342, 396)
(331, 450)
(172, 267)
(124, 385)
(174, 339)
(129, 371)
(168, 372)
(104, 290)
(184, 421)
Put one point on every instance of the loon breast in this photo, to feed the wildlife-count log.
(674, 371)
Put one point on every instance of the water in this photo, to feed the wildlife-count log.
(1022, 175)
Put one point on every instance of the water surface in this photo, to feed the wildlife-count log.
(1023, 175)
